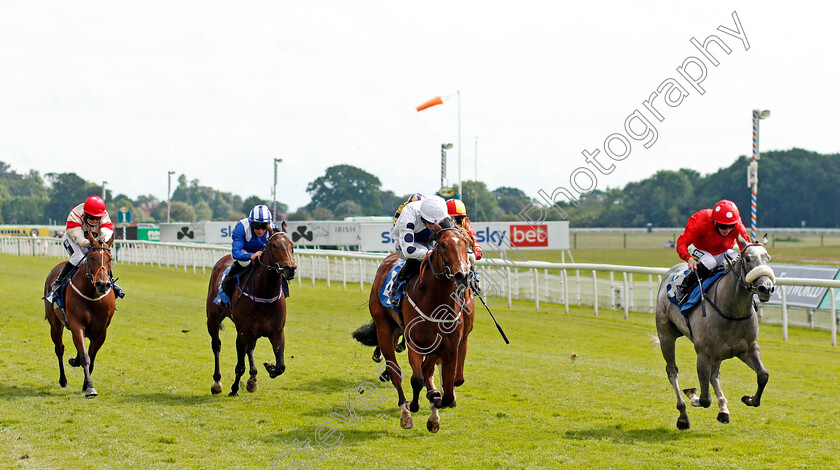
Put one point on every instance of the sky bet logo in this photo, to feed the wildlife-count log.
(524, 235)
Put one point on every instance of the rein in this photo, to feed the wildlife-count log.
(738, 270)
(276, 265)
(445, 271)
(273, 267)
(91, 277)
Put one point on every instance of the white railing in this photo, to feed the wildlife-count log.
(502, 279)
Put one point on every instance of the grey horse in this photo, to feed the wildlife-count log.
(728, 328)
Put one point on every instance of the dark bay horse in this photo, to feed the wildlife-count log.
(728, 329)
(89, 305)
(437, 313)
(258, 309)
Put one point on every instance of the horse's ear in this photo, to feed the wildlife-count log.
(283, 226)
(764, 240)
(741, 240)
(90, 238)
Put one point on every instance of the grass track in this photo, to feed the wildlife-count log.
(525, 405)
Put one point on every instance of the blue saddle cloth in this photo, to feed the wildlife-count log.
(389, 281)
(694, 298)
(223, 299)
(58, 296)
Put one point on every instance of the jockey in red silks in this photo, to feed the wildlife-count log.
(90, 217)
(458, 212)
(709, 235)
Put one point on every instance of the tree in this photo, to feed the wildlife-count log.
(347, 209)
(342, 183)
(23, 210)
(203, 211)
(322, 213)
(252, 201)
(68, 190)
(182, 212)
(511, 200)
(488, 207)
(390, 201)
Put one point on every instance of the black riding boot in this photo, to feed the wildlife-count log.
(118, 292)
(690, 282)
(65, 271)
(230, 280)
(410, 267)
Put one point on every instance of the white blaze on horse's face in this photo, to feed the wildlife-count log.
(758, 272)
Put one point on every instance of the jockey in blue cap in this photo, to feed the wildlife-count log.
(249, 237)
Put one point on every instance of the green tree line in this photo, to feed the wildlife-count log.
(795, 186)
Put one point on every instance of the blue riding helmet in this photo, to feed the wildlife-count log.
(260, 214)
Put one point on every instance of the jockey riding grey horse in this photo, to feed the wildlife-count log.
(729, 328)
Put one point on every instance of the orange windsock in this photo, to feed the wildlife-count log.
(432, 102)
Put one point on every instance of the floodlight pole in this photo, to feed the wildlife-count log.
(169, 195)
(274, 190)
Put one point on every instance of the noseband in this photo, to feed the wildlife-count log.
(275, 266)
(747, 279)
(88, 275)
(445, 272)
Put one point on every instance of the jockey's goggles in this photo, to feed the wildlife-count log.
(725, 227)
(91, 218)
(259, 225)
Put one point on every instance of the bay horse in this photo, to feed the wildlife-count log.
(258, 308)
(729, 329)
(89, 305)
(436, 318)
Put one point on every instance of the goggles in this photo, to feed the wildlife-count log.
(259, 226)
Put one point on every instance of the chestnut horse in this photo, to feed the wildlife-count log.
(436, 318)
(89, 305)
(258, 309)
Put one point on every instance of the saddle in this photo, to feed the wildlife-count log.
(57, 298)
(694, 298)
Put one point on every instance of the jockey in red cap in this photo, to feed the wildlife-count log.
(709, 235)
(88, 217)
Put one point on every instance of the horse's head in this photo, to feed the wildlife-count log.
(98, 264)
(279, 252)
(451, 249)
(755, 268)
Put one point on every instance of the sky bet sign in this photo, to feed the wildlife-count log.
(491, 236)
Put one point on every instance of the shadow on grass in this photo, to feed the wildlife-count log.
(331, 384)
(631, 436)
(351, 436)
(163, 398)
(11, 392)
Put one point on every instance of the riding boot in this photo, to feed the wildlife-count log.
(118, 292)
(690, 281)
(62, 276)
(410, 266)
(230, 280)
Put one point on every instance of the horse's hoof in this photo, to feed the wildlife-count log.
(216, 388)
(73, 361)
(400, 347)
(273, 370)
(90, 393)
(233, 394)
(251, 386)
(62, 383)
(690, 392)
(705, 403)
(682, 424)
(723, 418)
(385, 376)
(433, 426)
(749, 401)
(377, 355)
(414, 407)
(433, 395)
(458, 383)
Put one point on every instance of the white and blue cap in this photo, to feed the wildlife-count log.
(260, 213)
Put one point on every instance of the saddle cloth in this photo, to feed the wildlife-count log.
(694, 298)
(389, 281)
(222, 298)
(57, 297)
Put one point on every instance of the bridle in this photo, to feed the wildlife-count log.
(275, 266)
(445, 271)
(92, 276)
(747, 279)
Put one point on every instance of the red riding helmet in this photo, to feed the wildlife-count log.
(455, 207)
(95, 206)
(726, 212)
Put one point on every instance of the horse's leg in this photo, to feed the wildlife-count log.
(462, 356)
(432, 393)
(704, 372)
(417, 378)
(241, 349)
(385, 330)
(214, 323)
(95, 344)
(57, 334)
(251, 385)
(447, 373)
(752, 358)
(667, 342)
(723, 409)
(83, 360)
(278, 345)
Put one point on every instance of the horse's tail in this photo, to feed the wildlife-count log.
(366, 334)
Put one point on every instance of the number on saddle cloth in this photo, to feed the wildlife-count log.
(389, 281)
(694, 298)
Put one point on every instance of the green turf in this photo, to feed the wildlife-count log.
(529, 404)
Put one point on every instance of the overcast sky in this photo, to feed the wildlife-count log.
(126, 91)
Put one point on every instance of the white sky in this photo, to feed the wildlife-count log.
(125, 91)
